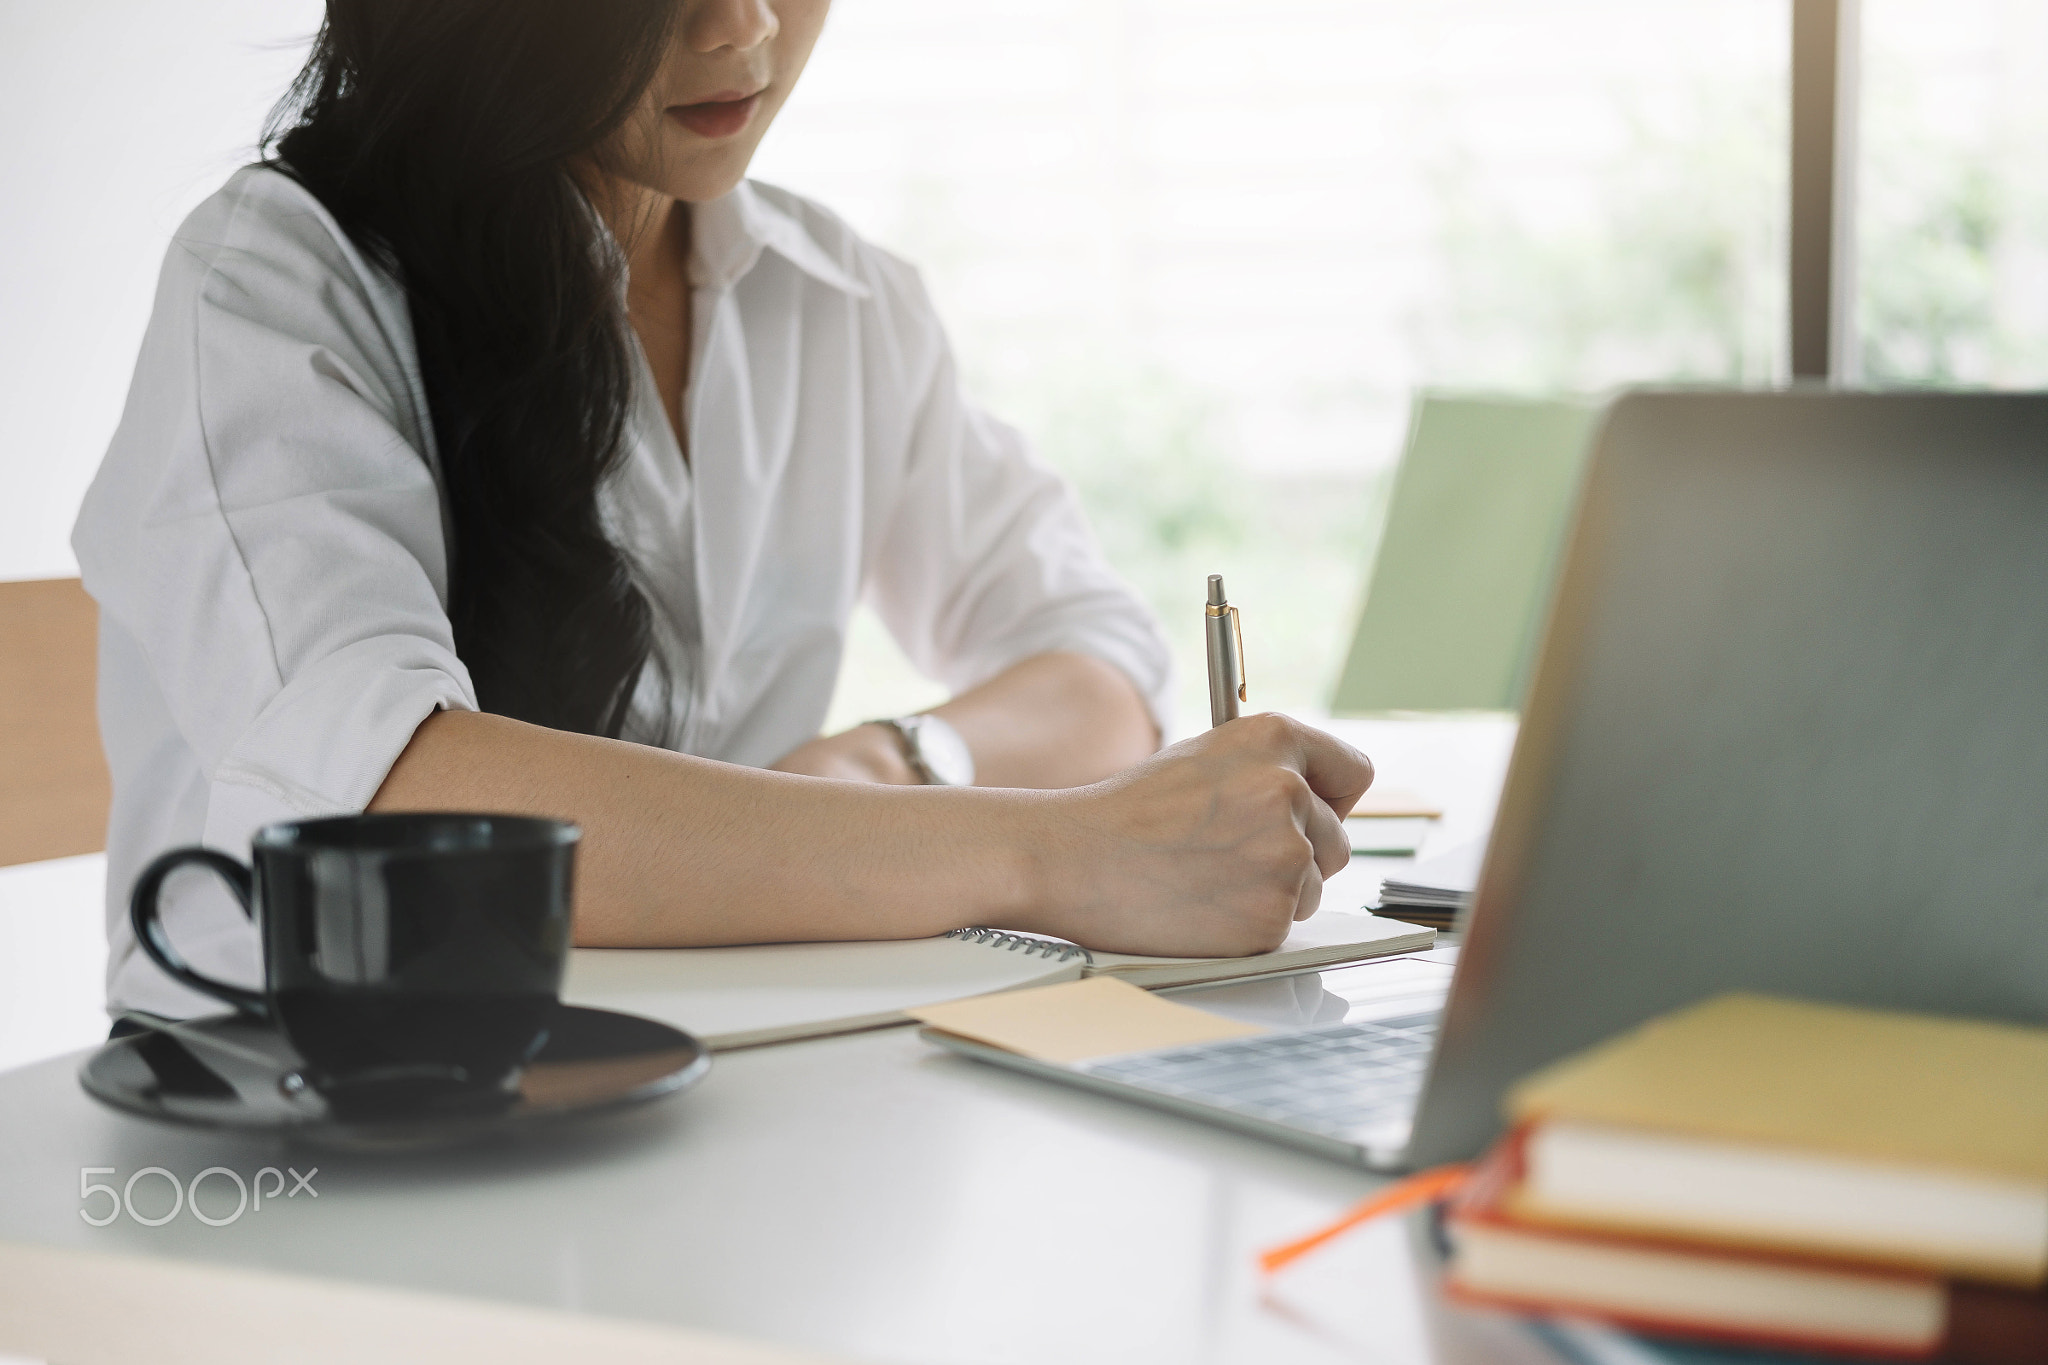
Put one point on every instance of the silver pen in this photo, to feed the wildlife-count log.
(1226, 654)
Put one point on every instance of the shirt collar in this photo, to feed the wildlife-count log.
(729, 233)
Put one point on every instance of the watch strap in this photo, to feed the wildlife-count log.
(913, 752)
(910, 733)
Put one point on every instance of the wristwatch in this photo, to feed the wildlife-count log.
(933, 749)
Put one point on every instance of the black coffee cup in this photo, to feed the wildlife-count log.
(411, 959)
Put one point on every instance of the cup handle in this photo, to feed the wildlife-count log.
(149, 930)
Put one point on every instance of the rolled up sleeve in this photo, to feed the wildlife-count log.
(987, 557)
(266, 527)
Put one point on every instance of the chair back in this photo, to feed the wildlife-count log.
(1462, 574)
(53, 777)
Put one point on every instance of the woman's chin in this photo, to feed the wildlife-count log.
(698, 174)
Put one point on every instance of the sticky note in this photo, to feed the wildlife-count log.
(1077, 1020)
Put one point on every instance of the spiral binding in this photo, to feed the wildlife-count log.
(1051, 949)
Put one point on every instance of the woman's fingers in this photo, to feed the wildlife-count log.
(1310, 894)
(1334, 771)
(1327, 837)
(1330, 848)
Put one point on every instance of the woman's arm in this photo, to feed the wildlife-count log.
(1053, 720)
(1209, 848)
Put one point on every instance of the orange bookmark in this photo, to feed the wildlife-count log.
(1399, 1197)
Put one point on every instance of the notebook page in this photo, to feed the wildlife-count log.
(1325, 939)
(740, 997)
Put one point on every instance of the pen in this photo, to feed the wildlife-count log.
(1226, 654)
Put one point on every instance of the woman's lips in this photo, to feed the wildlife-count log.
(716, 118)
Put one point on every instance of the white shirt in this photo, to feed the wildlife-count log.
(265, 537)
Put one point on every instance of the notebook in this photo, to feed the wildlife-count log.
(773, 993)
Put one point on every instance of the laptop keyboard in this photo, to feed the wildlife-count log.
(1340, 1080)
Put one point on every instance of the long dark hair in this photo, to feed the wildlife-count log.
(450, 139)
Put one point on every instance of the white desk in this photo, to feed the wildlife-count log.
(53, 958)
(865, 1197)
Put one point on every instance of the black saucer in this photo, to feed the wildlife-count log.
(230, 1071)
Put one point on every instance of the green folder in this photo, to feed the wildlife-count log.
(1461, 580)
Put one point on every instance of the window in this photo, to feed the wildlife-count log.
(1952, 228)
(1204, 252)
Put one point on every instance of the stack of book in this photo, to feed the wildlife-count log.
(1771, 1173)
(1435, 890)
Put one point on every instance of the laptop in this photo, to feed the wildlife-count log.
(1788, 732)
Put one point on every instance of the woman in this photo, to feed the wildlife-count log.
(494, 446)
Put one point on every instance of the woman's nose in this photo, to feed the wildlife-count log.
(741, 24)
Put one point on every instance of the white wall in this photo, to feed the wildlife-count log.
(118, 117)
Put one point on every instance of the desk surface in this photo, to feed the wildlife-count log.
(864, 1197)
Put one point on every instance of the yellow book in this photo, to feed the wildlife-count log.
(1755, 1121)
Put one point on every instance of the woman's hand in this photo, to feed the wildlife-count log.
(1211, 848)
(866, 753)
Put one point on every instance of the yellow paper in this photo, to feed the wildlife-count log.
(1395, 803)
(1077, 1020)
(1956, 1094)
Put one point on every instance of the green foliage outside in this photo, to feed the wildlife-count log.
(1953, 275)
(1148, 455)
(1676, 273)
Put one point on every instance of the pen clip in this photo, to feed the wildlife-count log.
(1237, 634)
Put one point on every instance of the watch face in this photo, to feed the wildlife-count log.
(944, 752)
